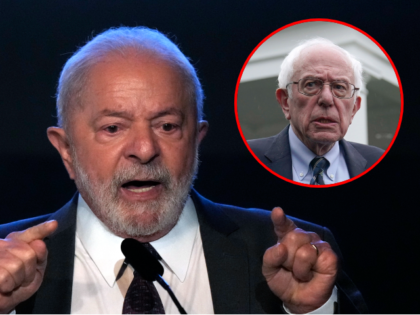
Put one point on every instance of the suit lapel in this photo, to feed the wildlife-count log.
(57, 285)
(280, 155)
(226, 258)
(356, 163)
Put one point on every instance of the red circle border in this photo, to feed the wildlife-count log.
(331, 21)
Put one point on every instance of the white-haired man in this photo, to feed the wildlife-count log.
(130, 115)
(318, 93)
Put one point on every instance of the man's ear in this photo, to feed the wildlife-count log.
(283, 99)
(356, 107)
(203, 127)
(59, 140)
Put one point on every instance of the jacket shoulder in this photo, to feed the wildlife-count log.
(369, 152)
(261, 145)
(66, 216)
(21, 225)
(252, 218)
(256, 218)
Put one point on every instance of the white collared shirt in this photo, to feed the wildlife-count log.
(98, 259)
(302, 157)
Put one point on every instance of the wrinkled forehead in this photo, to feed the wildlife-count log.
(137, 75)
(148, 70)
(322, 59)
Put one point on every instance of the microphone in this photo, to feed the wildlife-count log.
(147, 266)
(141, 259)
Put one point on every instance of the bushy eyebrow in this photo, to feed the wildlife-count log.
(114, 113)
(169, 111)
(316, 77)
(129, 115)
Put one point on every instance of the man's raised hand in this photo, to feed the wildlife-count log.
(23, 259)
(300, 274)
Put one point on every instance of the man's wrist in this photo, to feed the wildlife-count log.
(326, 308)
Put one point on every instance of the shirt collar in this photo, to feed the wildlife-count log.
(176, 247)
(302, 157)
(103, 246)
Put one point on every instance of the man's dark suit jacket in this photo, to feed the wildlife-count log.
(275, 153)
(234, 241)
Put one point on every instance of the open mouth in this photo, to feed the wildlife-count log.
(138, 186)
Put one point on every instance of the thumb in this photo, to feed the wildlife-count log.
(37, 232)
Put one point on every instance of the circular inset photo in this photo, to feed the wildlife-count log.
(319, 103)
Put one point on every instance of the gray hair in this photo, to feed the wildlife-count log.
(287, 67)
(121, 41)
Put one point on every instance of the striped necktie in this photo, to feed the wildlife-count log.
(319, 166)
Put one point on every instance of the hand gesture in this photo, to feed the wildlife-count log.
(301, 268)
(23, 259)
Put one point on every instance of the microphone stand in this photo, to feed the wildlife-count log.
(166, 286)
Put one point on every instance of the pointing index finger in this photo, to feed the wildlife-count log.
(37, 232)
(282, 224)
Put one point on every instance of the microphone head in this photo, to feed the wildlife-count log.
(141, 259)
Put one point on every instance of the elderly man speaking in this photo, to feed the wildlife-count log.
(318, 93)
(129, 109)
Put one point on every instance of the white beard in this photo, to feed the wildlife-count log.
(124, 218)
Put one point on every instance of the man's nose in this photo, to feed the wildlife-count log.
(325, 97)
(142, 146)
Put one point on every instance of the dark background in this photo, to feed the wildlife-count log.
(373, 218)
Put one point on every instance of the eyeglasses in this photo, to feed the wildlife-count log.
(313, 86)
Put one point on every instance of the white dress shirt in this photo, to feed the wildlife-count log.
(302, 157)
(98, 259)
